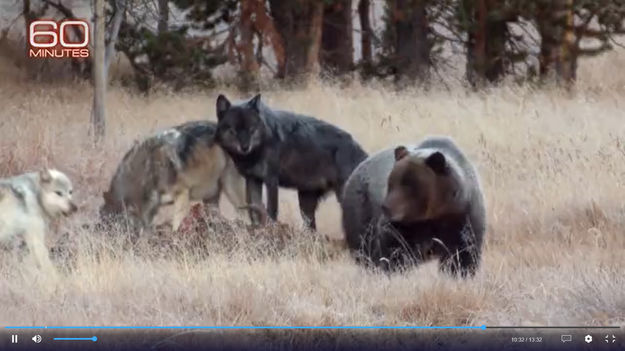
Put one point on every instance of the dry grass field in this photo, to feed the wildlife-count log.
(552, 166)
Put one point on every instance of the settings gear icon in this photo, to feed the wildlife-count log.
(588, 339)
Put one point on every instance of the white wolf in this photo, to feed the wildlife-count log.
(28, 203)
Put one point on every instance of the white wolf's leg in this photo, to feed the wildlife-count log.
(35, 240)
(182, 205)
(233, 184)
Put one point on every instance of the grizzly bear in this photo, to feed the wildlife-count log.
(409, 204)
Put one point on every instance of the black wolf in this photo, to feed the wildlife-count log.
(280, 148)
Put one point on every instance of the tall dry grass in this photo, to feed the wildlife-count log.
(552, 169)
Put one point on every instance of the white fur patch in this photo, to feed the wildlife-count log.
(170, 134)
(421, 153)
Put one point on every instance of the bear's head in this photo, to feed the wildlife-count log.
(424, 184)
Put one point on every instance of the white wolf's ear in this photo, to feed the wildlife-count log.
(255, 103)
(223, 105)
(45, 176)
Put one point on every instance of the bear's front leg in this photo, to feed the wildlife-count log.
(389, 253)
(463, 255)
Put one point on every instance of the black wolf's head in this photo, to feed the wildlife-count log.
(240, 129)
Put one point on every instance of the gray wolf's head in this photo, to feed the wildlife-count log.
(56, 193)
(240, 129)
(148, 170)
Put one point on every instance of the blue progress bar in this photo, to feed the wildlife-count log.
(94, 339)
(481, 327)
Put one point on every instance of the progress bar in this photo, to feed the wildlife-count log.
(93, 338)
(481, 327)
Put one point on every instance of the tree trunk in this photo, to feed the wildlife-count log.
(486, 45)
(299, 23)
(365, 31)
(314, 39)
(249, 64)
(264, 25)
(548, 30)
(558, 47)
(118, 17)
(28, 17)
(163, 16)
(98, 114)
(566, 65)
(411, 43)
(337, 40)
(476, 44)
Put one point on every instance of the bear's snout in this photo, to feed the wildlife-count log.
(393, 210)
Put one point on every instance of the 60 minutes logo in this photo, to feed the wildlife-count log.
(56, 43)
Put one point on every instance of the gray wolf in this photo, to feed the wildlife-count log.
(280, 148)
(412, 203)
(176, 166)
(28, 204)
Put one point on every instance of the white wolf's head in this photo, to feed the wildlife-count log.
(56, 193)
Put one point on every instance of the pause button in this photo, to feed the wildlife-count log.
(13, 339)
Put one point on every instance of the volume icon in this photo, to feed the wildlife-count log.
(37, 339)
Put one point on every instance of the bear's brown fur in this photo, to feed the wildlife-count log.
(408, 204)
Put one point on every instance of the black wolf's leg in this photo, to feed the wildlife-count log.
(272, 198)
(308, 201)
(254, 196)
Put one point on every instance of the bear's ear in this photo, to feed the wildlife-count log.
(45, 176)
(223, 105)
(437, 163)
(400, 152)
(255, 103)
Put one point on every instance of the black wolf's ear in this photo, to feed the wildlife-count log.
(437, 163)
(223, 105)
(255, 103)
(45, 176)
(400, 152)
